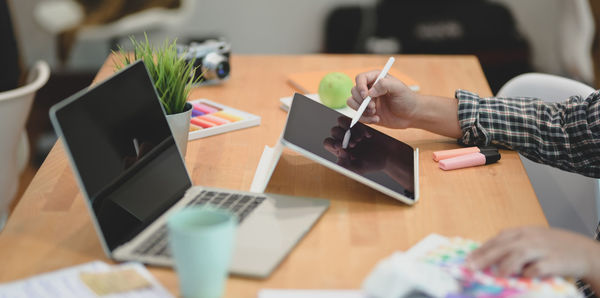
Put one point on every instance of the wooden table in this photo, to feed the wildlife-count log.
(51, 228)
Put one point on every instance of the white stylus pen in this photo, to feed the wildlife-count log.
(367, 100)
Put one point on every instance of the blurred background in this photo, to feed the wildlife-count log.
(508, 36)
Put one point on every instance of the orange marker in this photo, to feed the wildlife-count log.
(202, 123)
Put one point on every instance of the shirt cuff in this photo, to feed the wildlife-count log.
(468, 118)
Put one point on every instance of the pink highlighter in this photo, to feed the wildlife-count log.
(469, 160)
(444, 154)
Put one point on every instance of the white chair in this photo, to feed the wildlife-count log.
(152, 19)
(569, 200)
(14, 149)
(59, 15)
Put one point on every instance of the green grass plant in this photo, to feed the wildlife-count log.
(171, 73)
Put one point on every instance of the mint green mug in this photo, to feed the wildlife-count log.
(201, 241)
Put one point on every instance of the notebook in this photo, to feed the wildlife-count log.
(132, 177)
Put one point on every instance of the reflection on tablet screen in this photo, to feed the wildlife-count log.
(370, 153)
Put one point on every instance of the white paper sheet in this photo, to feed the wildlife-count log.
(66, 283)
(273, 293)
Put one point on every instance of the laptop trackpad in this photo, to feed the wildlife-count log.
(270, 232)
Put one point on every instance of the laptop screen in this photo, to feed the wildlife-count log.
(123, 151)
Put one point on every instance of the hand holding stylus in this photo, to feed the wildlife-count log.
(366, 101)
(392, 104)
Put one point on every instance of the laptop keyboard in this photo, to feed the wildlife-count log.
(238, 204)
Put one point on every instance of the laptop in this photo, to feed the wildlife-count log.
(133, 177)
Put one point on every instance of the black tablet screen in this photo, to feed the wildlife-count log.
(371, 154)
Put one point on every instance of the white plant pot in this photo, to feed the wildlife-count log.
(180, 126)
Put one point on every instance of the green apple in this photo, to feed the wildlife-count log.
(334, 89)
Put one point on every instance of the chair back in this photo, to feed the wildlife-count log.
(570, 201)
(14, 110)
(546, 87)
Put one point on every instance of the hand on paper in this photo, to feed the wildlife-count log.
(537, 252)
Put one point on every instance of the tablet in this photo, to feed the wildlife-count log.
(372, 157)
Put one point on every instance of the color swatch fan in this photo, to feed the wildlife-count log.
(449, 254)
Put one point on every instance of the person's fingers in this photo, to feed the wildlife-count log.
(504, 236)
(370, 119)
(352, 103)
(492, 250)
(364, 81)
(370, 111)
(514, 262)
(356, 97)
(385, 86)
(492, 257)
(372, 106)
(356, 94)
(540, 268)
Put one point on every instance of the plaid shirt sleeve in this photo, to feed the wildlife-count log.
(565, 134)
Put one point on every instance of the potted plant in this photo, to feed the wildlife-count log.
(173, 79)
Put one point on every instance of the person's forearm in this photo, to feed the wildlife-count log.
(438, 115)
